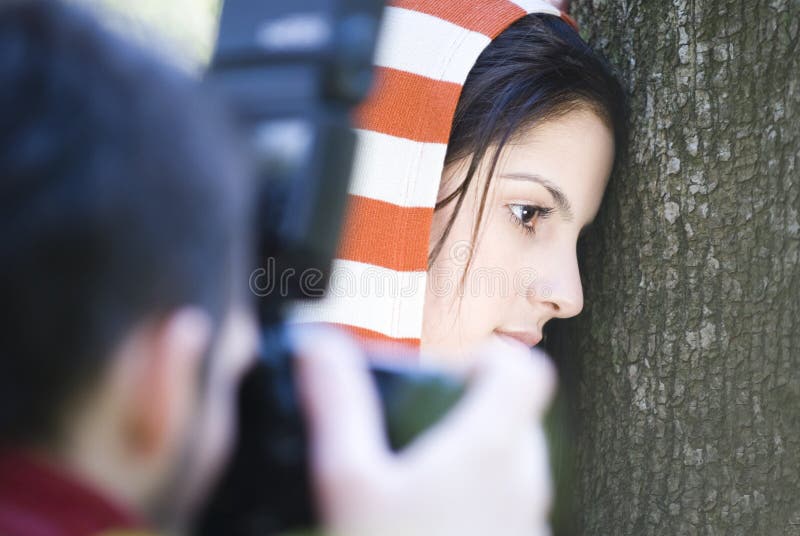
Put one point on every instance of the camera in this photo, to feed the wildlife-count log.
(291, 74)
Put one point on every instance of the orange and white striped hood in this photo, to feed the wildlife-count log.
(425, 51)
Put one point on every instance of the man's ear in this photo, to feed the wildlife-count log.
(164, 381)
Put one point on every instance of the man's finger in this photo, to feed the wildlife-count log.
(511, 388)
(339, 400)
(512, 380)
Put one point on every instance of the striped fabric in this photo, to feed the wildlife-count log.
(424, 53)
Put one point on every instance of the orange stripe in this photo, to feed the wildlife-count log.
(569, 20)
(378, 345)
(374, 336)
(488, 17)
(384, 234)
(409, 106)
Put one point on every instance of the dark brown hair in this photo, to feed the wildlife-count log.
(538, 69)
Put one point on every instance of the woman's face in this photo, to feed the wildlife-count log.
(524, 270)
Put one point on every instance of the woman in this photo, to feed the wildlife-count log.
(483, 152)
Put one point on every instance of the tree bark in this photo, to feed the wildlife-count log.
(687, 357)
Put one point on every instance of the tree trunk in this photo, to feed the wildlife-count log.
(687, 357)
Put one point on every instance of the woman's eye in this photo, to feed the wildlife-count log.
(527, 216)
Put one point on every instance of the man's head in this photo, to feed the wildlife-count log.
(123, 219)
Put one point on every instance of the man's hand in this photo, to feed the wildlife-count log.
(482, 470)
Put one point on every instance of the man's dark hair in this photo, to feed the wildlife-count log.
(121, 199)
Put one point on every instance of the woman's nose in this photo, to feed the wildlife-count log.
(560, 289)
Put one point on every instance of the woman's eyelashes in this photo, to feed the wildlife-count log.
(527, 216)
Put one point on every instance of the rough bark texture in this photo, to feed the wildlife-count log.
(688, 353)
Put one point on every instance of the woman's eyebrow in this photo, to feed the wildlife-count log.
(561, 200)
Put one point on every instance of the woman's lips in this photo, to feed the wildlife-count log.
(528, 338)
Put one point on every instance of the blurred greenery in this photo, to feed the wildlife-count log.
(183, 30)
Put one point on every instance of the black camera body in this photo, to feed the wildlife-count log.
(266, 488)
(291, 74)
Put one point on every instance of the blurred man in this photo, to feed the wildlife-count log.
(126, 322)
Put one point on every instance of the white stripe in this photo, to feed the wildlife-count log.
(538, 6)
(370, 297)
(426, 45)
(397, 170)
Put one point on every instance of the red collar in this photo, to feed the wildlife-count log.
(38, 499)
